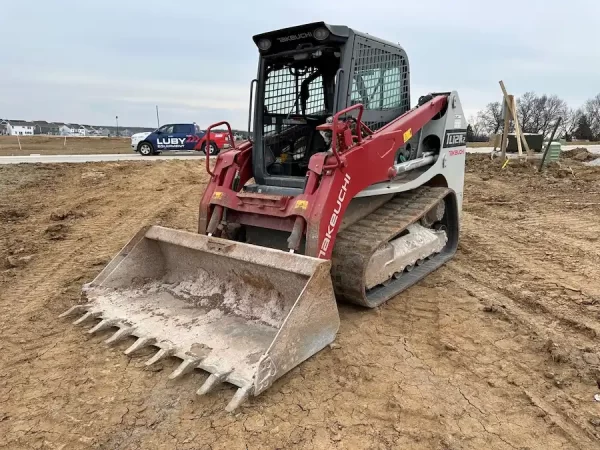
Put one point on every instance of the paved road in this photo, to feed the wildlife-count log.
(92, 158)
(138, 157)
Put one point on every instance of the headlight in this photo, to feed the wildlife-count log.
(320, 34)
(264, 44)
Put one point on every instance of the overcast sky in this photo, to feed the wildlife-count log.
(88, 61)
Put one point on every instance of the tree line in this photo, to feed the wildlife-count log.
(539, 114)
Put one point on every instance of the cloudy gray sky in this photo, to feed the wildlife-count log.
(87, 61)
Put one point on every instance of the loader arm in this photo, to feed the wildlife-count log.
(333, 179)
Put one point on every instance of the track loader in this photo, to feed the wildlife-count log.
(344, 192)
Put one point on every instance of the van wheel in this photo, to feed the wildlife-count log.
(214, 150)
(146, 148)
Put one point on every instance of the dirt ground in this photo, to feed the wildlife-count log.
(496, 350)
(58, 145)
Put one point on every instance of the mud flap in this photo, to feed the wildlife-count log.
(243, 313)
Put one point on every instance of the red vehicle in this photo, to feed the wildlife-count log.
(219, 138)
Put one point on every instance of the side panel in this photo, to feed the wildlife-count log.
(451, 130)
(378, 153)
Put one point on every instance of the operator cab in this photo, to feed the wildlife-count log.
(305, 75)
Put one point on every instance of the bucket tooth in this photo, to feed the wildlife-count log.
(239, 397)
(139, 344)
(121, 334)
(87, 316)
(75, 309)
(160, 355)
(103, 325)
(186, 366)
(211, 382)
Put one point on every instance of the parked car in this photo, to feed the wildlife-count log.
(179, 137)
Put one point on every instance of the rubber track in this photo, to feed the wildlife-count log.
(356, 244)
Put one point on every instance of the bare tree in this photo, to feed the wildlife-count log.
(526, 111)
(490, 118)
(476, 125)
(591, 108)
(539, 114)
(570, 123)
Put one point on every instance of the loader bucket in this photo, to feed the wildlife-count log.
(245, 314)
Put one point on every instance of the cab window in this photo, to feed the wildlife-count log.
(168, 129)
(182, 129)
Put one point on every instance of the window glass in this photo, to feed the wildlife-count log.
(166, 129)
(182, 129)
(377, 80)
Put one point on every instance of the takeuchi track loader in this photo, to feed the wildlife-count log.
(343, 193)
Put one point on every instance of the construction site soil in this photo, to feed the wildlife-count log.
(60, 145)
(496, 350)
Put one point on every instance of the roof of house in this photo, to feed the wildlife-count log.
(21, 123)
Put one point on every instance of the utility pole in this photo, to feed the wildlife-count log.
(117, 118)
(157, 118)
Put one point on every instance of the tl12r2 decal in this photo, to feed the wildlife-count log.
(455, 138)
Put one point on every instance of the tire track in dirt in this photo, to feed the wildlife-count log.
(52, 281)
(48, 272)
(573, 425)
(429, 369)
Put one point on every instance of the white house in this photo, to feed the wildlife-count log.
(72, 129)
(20, 128)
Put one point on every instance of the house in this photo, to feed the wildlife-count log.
(73, 129)
(43, 127)
(3, 127)
(102, 131)
(20, 128)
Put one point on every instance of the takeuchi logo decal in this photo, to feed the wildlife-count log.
(335, 216)
(295, 37)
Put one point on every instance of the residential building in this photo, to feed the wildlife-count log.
(73, 129)
(102, 131)
(43, 127)
(20, 128)
(64, 130)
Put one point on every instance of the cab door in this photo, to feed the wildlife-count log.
(185, 134)
(164, 138)
(181, 133)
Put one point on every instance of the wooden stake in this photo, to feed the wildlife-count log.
(513, 114)
(19, 140)
(517, 130)
(505, 130)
